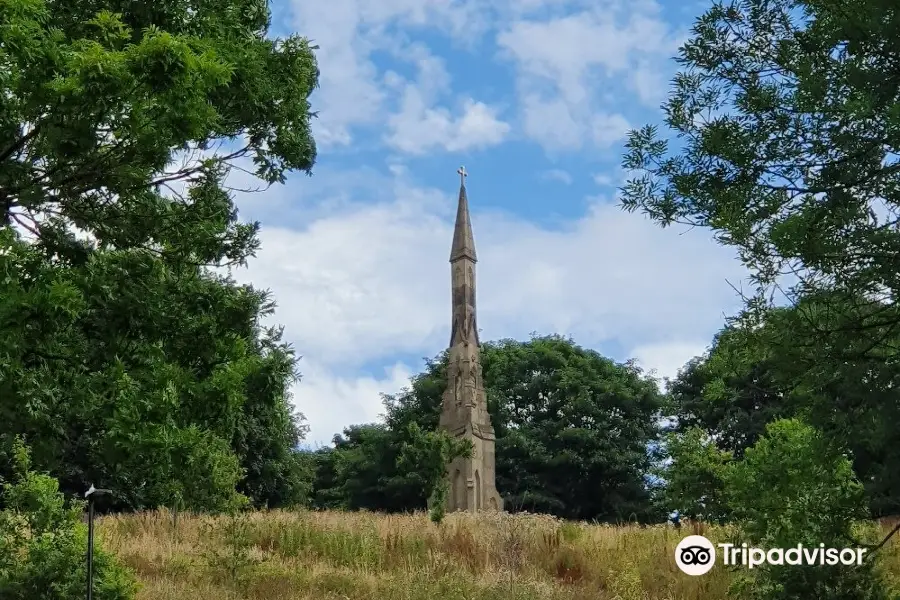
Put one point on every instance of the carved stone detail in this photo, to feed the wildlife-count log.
(464, 410)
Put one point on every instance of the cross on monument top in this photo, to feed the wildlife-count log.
(462, 175)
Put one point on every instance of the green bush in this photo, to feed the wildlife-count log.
(695, 476)
(795, 487)
(43, 541)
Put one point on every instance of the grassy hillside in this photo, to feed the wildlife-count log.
(340, 556)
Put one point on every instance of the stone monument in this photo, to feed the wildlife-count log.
(464, 411)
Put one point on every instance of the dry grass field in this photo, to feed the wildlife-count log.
(357, 556)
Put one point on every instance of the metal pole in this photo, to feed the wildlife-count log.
(90, 549)
(92, 491)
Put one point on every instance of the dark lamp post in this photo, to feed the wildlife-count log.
(90, 495)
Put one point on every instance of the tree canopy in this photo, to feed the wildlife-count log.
(572, 427)
(124, 359)
(785, 118)
(784, 135)
(751, 377)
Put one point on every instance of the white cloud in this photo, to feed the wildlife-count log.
(558, 175)
(564, 48)
(558, 125)
(361, 284)
(355, 285)
(564, 60)
(565, 64)
(331, 402)
(551, 122)
(649, 83)
(348, 32)
(420, 125)
(608, 129)
(418, 128)
(349, 93)
(666, 358)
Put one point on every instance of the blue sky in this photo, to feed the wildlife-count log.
(534, 97)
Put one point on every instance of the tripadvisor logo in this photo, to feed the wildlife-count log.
(696, 555)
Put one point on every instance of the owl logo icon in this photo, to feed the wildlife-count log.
(695, 555)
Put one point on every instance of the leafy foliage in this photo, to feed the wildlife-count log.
(43, 541)
(752, 376)
(573, 429)
(811, 491)
(101, 98)
(730, 392)
(428, 454)
(124, 360)
(695, 477)
(786, 114)
(786, 119)
(362, 472)
(124, 390)
(811, 497)
(572, 434)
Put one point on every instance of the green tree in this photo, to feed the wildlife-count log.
(729, 392)
(101, 99)
(810, 496)
(43, 541)
(751, 376)
(427, 455)
(573, 430)
(786, 118)
(327, 491)
(695, 476)
(785, 122)
(124, 360)
(364, 472)
(375, 467)
(268, 431)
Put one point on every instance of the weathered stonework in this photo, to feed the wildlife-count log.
(464, 412)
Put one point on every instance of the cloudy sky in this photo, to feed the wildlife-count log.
(534, 97)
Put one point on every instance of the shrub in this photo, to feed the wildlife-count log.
(695, 478)
(794, 487)
(43, 541)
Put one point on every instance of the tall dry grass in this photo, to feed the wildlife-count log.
(357, 556)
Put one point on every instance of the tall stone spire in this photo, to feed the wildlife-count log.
(464, 410)
(463, 241)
